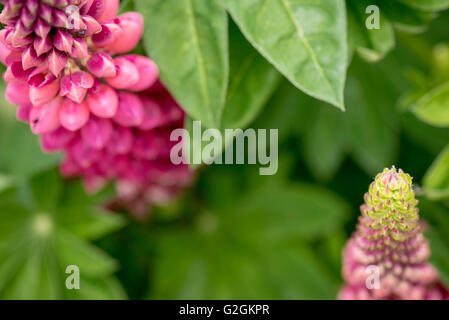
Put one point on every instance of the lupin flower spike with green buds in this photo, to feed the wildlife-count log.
(386, 258)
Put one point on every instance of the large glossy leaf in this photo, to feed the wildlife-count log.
(432, 108)
(252, 81)
(188, 41)
(305, 40)
(38, 241)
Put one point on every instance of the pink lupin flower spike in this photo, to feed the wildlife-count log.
(386, 258)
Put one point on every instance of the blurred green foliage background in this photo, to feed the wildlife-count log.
(235, 234)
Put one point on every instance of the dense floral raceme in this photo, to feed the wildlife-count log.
(389, 244)
(70, 73)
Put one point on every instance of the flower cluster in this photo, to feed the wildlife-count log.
(389, 245)
(70, 73)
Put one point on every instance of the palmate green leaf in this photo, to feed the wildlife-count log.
(250, 250)
(188, 41)
(252, 81)
(436, 180)
(312, 212)
(38, 241)
(371, 44)
(304, 40)
(20, 153)
(432, 108)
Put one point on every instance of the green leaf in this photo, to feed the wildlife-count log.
(436, 180)
(188, 41)
(38, 241)
(20, 152)
(126, 5)
(252, 81)
(432, 139)
(250, 249)
(427, 5)
(368, 130)
(311, 211)
(437, 216)
(325, 143)
(371, 44)
(432, 108)
(406, 18)
(305, 41)
(75, 251)
(369, 118)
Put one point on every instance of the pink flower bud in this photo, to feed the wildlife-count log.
(23, 113)
(59, 19)
(56, 140)
(16, 72)
(79, 49)
(30, 58)
(103, 102)
(101, 65)
(97, 132)
(149, 146)
(110, 10)
(4, 52)
(9, 56)
(42, 45)
(56, 60)
(92, 26)
(73, 116)
(127, 74)
(40, 95)
(84, 155)
(130, 110)
(42, 28)
(132, 25)
(75, 86)
(63, 41)
(96, 8)
(108, 34)
(45, 118)
(148, 72)
(18, 93)
(152, 114)
(69, 168)
(121, 141)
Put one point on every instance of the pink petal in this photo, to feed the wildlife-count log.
(73, 116)
(104, 102)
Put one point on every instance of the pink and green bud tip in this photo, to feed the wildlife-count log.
(386, 258)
